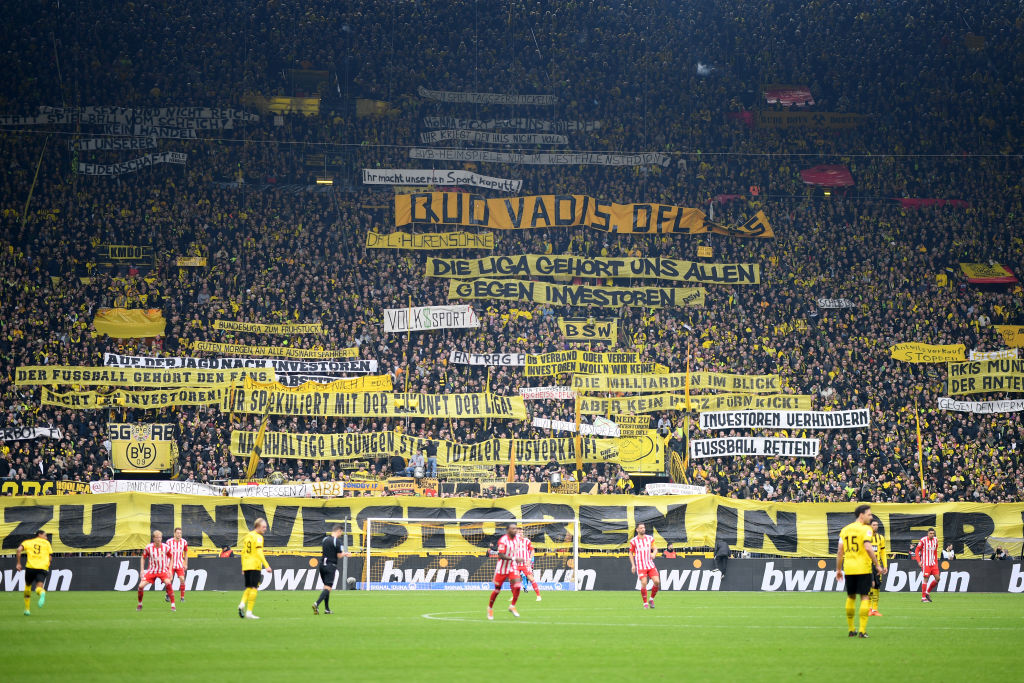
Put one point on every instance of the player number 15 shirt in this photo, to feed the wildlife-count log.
(855, 556)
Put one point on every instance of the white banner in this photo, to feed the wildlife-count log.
(163, 116)
(90, 144)
(610, 430)
(30, 433)
(311, 367)
(189, 488)
(164, 132)
(516, 123)
(484, 97)
(543, 393)
(757, 445)
(132, 165)
(548, 159)
(1002, 354)
(435, 136)
(982, 407)
(666, 489)
(424, 318)
(786, 419)
(836, 303)
(499, 359)
(446, 177)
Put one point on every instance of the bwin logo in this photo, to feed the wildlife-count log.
(799, 579)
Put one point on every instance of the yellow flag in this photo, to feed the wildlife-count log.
(257, 449)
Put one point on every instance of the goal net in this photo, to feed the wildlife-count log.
(456, 554)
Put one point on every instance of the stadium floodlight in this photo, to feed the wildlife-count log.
(455, 554)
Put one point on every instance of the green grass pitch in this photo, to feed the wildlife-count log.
(568, 636)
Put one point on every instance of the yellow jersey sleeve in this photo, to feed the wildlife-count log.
(881, 550)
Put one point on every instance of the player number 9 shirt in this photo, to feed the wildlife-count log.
(252, 552)
(855, 556)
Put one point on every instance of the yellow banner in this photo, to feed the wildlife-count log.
(576, 295)
(564, 211)
(1013, 335)
(808, 119)
(633, 425)
(642, 454)
(353, 385)
(709, 381)
(374, 404)
(53, 375)
(656, 403)
(190, 261)
(429, 240)
(247, 350)
(588, 362)
(122, 522)
(590, 330)
(130, 323)
(142, 456)
(982, 377)
(269, 328)
(990, 273)
(916, 352)
(148, 400)
(534, 265)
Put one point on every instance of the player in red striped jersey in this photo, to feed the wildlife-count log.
(506, 569)
(927, 555)
(641, 563)
(179, 560)
(524, 553)
(159, 556)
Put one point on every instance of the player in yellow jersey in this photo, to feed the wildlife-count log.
(253, 563)
(856, 557)
(883, 559)
(37, 566)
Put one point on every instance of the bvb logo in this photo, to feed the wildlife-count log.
(141, 454)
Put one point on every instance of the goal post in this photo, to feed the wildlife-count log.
(456, 554)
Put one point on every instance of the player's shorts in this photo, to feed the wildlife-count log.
(327, 573)
(858, 584)
(34, 576)
(931, 571)
(499, 578)
(253, 578)
(151, 577)
(525, 569)
(179, 571)
(652, 573)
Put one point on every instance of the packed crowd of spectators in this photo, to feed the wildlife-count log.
(940, 123)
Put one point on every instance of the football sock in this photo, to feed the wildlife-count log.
(643, 593)
(170, 593)
(865, 606)
(874, 598)
(515, 594)
(536, 588)
(654, 591)
(181, 587)
(140, 596)
(932, 582)
(252, 599)
(28, 598)
(39, 589)
(320, 598)
(494, 594)
(245, 596)
(850, 608)
(327, 599)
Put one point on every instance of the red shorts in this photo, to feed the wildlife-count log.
(151, 577)
(513, 577)
(525, 569)
(180, 571)
(653, 573)
(930, 571)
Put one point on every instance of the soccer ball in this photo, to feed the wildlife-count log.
(351, 582)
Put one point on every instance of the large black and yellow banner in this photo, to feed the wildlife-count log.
(350, 385)
(564, 211)
(588, 362)
(642, 454)
(590, 330)
(656, 403)
(534, 265)
(917, 352)
(142, 456)
(274, 351)
(699, 381)
(268, 328)
(424, 241)
(120, 522)
(373, 404)
(54, 375)
(146, 400)
(576, 295)
(1013, 335)
(982, 377)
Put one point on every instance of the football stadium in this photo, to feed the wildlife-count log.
(612, 339)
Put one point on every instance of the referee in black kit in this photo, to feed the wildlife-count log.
(332, 549)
